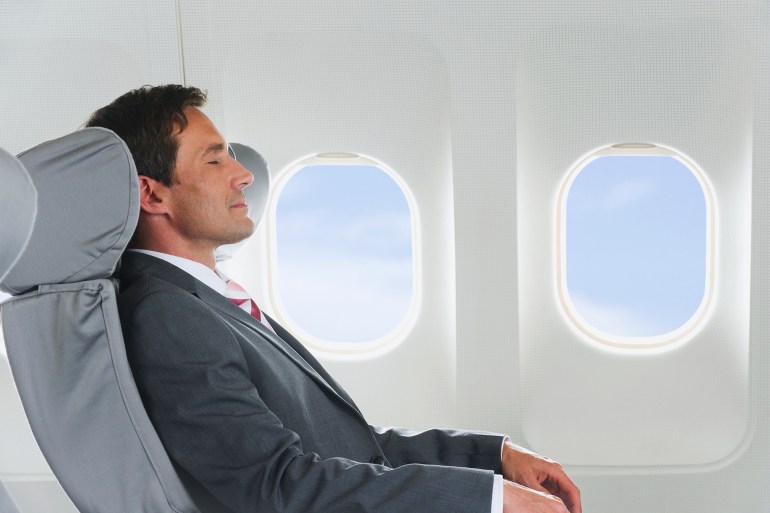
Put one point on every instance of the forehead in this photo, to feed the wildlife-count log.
(200, 132)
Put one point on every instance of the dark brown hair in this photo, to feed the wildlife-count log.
(145, 118)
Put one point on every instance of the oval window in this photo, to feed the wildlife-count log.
(636, 246)
(344, 266)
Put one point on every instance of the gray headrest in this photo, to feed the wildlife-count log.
(88, 207)
(256, 194)
(18, 206)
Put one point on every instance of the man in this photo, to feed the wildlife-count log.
(239, 404)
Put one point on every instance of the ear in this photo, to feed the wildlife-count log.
(152, 195)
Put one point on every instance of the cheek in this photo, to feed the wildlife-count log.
(192, 208)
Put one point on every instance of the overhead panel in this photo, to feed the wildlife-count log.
(60, 61)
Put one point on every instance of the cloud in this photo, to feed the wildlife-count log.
(615, 319)
(381, 230)
(345, 269)
(371, 234)
(624, 194)
(343, 299)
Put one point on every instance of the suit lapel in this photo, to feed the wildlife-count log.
(311, 360)
(225, 307)
(288, 345)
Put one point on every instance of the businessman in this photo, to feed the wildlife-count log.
(244, 411)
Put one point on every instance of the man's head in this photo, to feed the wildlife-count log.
(191, 188)
(146, 119)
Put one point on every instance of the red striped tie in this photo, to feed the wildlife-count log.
(238, 295)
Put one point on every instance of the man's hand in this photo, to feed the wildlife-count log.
(520, 499)
(540, 474)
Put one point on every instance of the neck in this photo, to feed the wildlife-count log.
(155, 236)
(202, 256)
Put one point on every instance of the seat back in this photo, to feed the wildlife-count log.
(18, 204)
(63, 335)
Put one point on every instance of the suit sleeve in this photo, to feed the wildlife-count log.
(441, 447)
(195, 384)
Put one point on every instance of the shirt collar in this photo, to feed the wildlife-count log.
(214, 279)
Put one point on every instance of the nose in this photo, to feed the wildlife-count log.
(242, 177)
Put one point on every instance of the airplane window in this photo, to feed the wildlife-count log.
(343, 237)
(636, 245)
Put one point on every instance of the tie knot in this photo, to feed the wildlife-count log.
(233, 290)
(238, 296)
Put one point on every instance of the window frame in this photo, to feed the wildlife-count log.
(331, 349)
(607, 340)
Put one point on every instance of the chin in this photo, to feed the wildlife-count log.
(240, 235)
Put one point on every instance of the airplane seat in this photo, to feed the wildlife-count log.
(18, 202)
(63, 335)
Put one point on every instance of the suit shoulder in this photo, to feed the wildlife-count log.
(159, 317)
(145, 288)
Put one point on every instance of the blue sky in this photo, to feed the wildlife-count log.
(344, 243)
(636, 244)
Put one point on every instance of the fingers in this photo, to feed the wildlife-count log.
(568, 494)
(562, 486)
(541, 474)
(553, 480)
(520, 499)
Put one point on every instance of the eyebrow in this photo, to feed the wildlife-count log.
(214, 148)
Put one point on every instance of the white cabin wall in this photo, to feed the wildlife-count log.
(63, 60)
(606, 83)
(683, 75)
(754, 467)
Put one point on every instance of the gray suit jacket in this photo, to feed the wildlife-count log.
(254, 422)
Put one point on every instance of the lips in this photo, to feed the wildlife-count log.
(240, 203)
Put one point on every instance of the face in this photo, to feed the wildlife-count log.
(206, 204)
